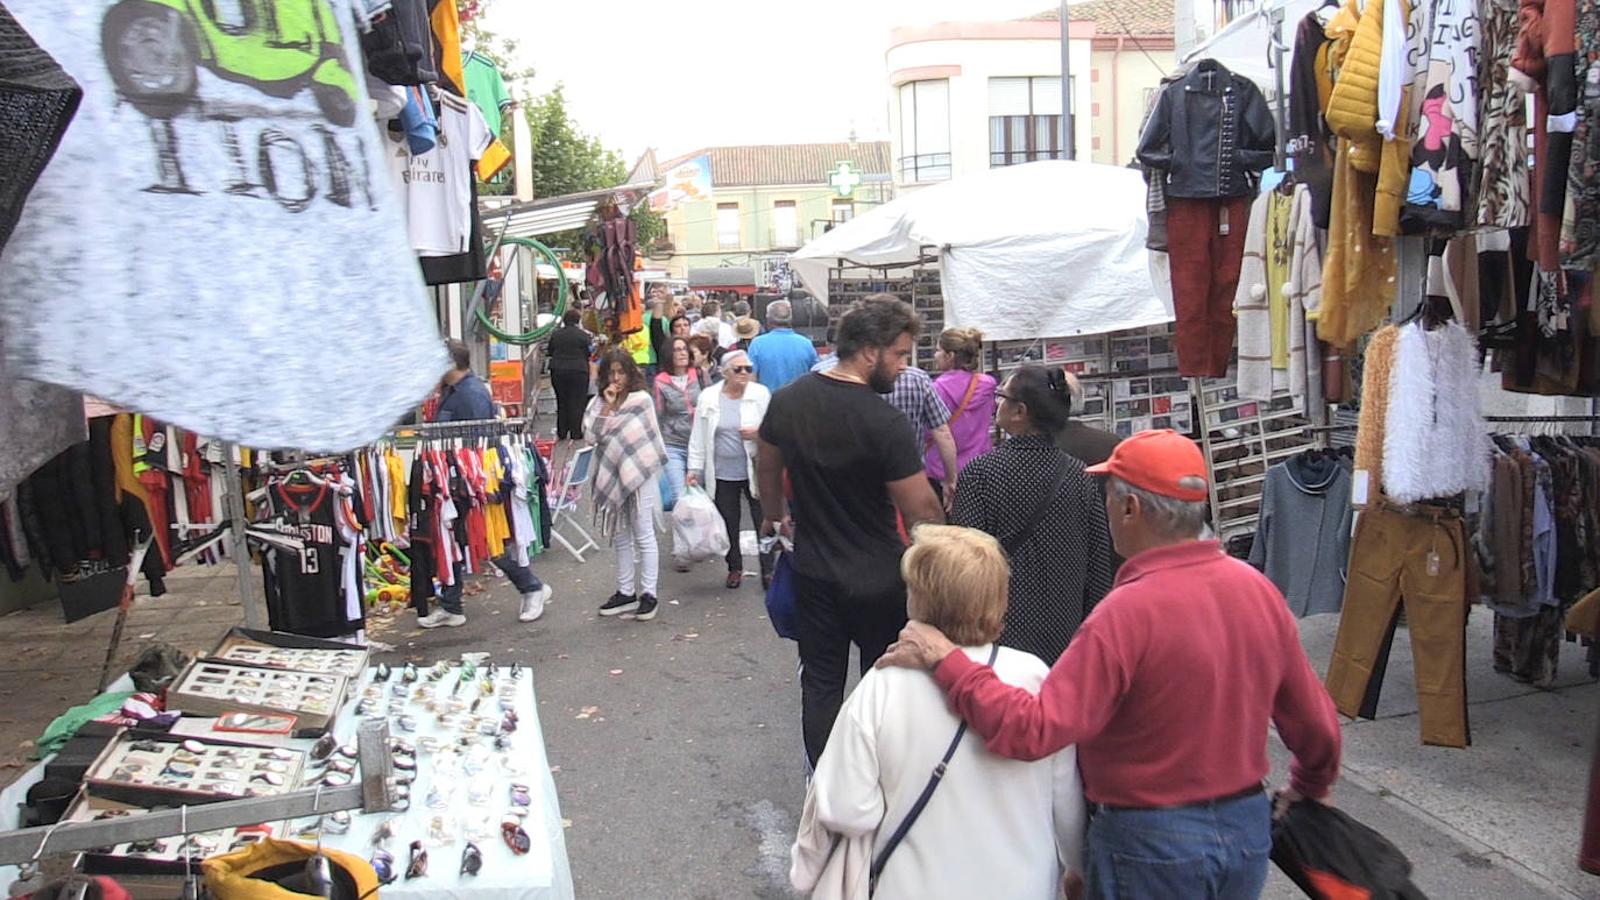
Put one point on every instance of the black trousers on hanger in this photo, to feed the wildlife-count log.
(572, 395)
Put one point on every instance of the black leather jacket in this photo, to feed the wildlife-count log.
(1211, 133)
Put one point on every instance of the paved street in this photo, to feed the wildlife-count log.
(676, 742)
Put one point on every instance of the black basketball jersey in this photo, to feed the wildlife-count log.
(305, 591)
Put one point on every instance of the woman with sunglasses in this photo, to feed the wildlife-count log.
(722, 453)
(1047, 513)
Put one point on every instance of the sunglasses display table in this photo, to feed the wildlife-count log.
(463, 787)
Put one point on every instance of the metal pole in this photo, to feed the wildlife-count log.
(1280, 120)
(241, 547)
(1068, 131)
(375, 793)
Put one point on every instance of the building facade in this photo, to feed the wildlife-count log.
(761, 202)
(969, 96)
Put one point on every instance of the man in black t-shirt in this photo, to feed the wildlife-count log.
(852, 461)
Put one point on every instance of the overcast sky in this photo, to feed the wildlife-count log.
(682, 74)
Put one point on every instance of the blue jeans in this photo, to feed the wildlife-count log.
(525, 581)
(1218, 851)
(677, 469)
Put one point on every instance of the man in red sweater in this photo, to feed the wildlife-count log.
(1166, 690)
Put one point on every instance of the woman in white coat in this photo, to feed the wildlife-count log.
(994, 827)
(722, 453)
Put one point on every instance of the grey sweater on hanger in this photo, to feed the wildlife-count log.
(1303, 537)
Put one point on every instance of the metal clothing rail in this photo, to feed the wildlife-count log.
(465, 426)
(1595, 418)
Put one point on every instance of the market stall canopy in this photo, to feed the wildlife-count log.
(723, 278)
(552, 215)
(1245, 44)
(1046, 249)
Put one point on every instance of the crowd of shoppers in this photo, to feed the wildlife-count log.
(1154, 679)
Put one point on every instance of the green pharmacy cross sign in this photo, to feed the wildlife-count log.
(844, 178)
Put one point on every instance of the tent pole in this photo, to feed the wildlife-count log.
(1068, 137)
(236, 511)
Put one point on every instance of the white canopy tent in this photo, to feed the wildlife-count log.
(1046, 249)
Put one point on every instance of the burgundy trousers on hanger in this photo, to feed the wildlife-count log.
(1205, 274)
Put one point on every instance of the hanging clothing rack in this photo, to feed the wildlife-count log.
(464, 428)
(1595, 418)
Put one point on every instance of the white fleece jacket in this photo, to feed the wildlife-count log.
(1435, 442)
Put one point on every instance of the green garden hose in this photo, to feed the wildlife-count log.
(538, 333)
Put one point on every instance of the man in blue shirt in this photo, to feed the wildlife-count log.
(464, 396)
(780, 356)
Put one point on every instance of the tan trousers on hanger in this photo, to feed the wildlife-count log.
(1416, 557)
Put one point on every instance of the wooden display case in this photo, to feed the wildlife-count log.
(210, 688)
(147, 769)
(276, 650)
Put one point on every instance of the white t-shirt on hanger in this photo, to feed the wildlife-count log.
(434, 188)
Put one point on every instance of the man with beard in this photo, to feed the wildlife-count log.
(852, 461)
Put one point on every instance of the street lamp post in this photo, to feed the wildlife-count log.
(1068, 132)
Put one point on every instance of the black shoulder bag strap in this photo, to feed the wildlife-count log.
(922, 801)
(1012, 542)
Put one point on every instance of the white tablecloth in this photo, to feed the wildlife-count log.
(543, 873)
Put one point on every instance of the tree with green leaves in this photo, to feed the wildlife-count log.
(568, 161)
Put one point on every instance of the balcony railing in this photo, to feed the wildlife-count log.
(925, 167)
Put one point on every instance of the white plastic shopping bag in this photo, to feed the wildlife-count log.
(697, 529)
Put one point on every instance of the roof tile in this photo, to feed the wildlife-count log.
(772, 164)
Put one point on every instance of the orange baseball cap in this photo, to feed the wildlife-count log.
(1158, 461)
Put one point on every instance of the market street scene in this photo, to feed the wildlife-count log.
(1109, 449)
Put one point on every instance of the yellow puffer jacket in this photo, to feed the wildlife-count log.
(1353, 108)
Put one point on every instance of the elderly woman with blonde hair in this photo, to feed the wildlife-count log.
(991, 827)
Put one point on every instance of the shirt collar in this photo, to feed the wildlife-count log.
(1172, 556)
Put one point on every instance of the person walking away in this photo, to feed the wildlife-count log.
(853, 461)
(780, 356)
(995, 827)
(969, 396)
(463, 397)
(1048, 514)
(912, 393)
(1092, 446)
(676, 389)
(1167, 691)
(570, 349)
(629, 457)
(745, 329)
(466, 398)
(722, 454)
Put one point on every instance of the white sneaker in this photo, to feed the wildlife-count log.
(441, 617)
(533, 604)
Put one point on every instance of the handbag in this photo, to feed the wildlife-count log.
(899, 834)
(1015, 539)
(780, 599)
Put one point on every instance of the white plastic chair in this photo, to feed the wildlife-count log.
(564, 506)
